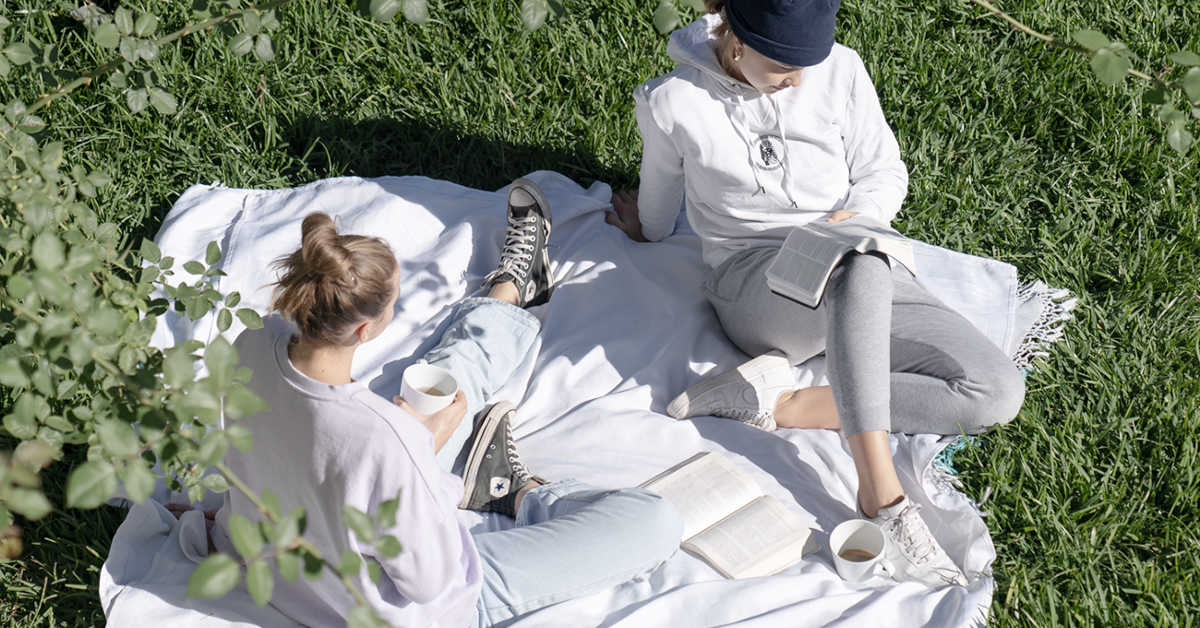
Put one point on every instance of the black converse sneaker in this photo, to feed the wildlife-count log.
(494, 472)
(524, 260)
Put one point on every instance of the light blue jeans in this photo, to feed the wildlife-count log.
(571, 539)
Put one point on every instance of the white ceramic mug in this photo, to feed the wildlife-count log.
(427, 388)
(858, 536)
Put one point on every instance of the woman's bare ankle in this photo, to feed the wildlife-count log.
(810, 408)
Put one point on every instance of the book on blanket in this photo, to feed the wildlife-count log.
(808, 256)
(728, 521)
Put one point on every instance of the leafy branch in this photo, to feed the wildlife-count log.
(1112, 61)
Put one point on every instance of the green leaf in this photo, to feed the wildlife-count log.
(289, 565)
(178, 367)
(28, 502)
(1179, 138)
(224, 320)
(31, 124)
(262, 48)
(696, 5)
(106, 36)
(163, 102)
(241, 402)
(241, 44)
(373, 571)
(123, 19)
(12, 376)
(19, 53)
(136, 99)
(385, 10)
(1110, 68)
(246, 536)
(19, 286)
(250, 318)
(387, 513)
(1185, 57)
(48, 252)
(1191, 84)
(232, 299)
(146, 25)
(534, 13)
(358, 521)
(240, 437)
(666, 17)
(313, 565)
(215, 482)
(214, 577)
(212, 448)
(129, 49)
(271, 502)
(221, 359)
(389, 546)
(350, 563)
(416, 11)
(287, 529)
(5, 66)
(150, 251)
(194, 267)
(139, 481)
(212, 253)
(364, 617)
(1092, 40)
(118, 438)
(91, 484)
(261, 581)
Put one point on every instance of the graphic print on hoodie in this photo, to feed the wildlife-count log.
(751, 166)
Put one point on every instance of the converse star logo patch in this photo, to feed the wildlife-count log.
(499, 487)
(768, 152)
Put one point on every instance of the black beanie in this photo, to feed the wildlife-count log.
(793, 32)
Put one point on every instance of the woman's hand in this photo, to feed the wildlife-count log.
(625, 215)
(443, 422)
(840, 215)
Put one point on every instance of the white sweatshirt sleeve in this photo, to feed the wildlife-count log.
(660, 194)
(878, 177)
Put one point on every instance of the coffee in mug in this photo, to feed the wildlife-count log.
(427, 388)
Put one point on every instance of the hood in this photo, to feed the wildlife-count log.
(694, 45)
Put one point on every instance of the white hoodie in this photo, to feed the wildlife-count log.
(718, 140)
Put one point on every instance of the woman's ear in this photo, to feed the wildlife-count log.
(362, 332)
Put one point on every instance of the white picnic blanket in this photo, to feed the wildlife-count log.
(626, 330)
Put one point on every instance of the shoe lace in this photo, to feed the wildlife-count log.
(914, 538)
(519, 242)
(520, 472)
(764, 419)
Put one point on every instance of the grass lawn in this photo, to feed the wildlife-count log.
(1014, 150)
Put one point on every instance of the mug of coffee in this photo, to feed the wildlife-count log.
(427, 388)
(858, 548)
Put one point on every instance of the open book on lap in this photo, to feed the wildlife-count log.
(802, 267)
(728, 521)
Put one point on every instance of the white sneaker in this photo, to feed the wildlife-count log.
(914, 553)
(747, 393)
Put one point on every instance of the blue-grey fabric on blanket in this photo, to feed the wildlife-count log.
(627, 329)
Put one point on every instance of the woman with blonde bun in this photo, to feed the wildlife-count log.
(327, 442)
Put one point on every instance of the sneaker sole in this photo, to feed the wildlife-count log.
(484, 431)
(680, 407)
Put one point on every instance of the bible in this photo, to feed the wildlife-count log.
(802, 267)
(728, 521)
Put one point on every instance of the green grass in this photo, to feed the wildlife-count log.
(1015, 152)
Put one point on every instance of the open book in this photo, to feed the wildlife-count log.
(727, 521)
(810, 253)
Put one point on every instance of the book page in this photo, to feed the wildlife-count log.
(705, 489)
(863, 234)
(761, 539)
(803, 264)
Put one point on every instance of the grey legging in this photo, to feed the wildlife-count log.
(898, 359)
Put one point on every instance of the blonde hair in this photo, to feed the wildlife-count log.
(726, 40)
(333, 282)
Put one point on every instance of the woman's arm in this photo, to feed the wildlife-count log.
(660, 195)
(878, 177)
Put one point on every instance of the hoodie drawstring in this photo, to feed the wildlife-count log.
(787, 156)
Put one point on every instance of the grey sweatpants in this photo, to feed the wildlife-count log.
(898, 359)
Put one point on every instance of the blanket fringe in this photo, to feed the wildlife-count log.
(1056, 309)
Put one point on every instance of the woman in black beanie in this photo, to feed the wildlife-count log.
(765, 125)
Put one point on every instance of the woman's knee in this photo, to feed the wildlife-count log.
(866, 271)
(657, 522)
(1002, 397)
